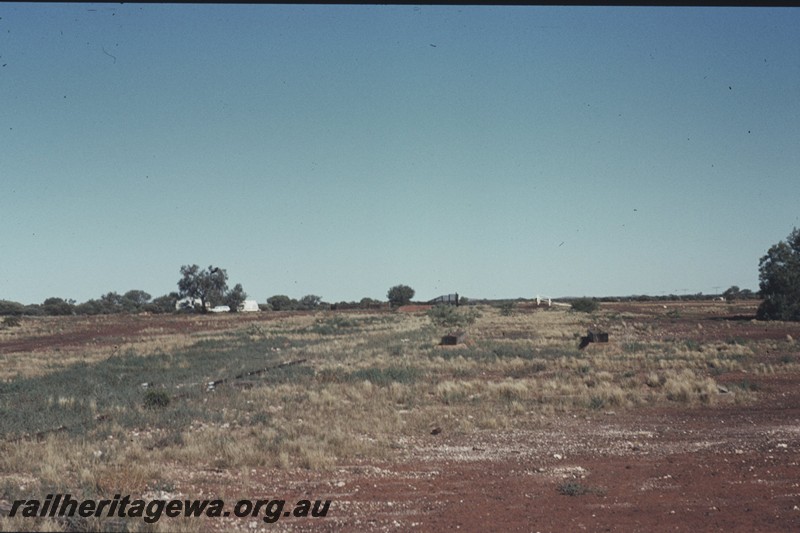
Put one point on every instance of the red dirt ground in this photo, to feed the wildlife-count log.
(720, 468)
(109, 329)
(708, 468)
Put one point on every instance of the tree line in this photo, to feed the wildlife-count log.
(779, 283)
(201, 290)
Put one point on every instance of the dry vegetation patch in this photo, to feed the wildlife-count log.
(318, 390)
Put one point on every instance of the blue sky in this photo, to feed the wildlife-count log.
(497, 152)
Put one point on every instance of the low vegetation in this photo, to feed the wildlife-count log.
(585, 305)
(282, 392)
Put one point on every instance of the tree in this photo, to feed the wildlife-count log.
(209, 285)
(112, 303)
(163, 304)
(779, 280)
(135, 300)
(369, 303)
(235, 297)
(732, 293)
(8, 307)
(90, 307)
(58, 306)
(400, 295)
(280, 302)
(310, 301)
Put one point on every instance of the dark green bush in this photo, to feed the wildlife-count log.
(400, 295)
(507, 308)
(156, 399)
(585, 305)
(12, 322)
(11, 308)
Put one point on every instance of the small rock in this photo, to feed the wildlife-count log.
(789, 338)
(558, 456)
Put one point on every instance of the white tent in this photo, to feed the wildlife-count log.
(249, 305)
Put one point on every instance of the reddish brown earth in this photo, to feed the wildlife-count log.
(109, 330)
(718, 467)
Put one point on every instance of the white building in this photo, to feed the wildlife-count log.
(248, 306)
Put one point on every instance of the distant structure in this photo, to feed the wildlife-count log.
(447, 299)
(248, 306)
(593, 336)
(549, 302)
(453, 338)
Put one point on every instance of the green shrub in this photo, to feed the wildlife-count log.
(12, 322)
(331, 326)
(572, 488)
(585, 305)
(11, 308)
(779, 280)
(400, 295)
(597, 402)
(450, 316)
(156, 399)
(507, 308)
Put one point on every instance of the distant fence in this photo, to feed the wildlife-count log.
(447, 299)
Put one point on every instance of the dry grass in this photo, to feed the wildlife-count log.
(364, 383)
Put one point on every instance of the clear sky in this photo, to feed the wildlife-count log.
(497, 152)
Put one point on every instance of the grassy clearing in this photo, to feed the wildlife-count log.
(356, 387)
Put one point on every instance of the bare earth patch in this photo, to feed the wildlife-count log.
(460, 438)
(702, 469)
